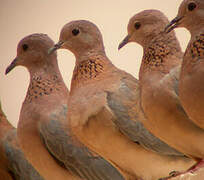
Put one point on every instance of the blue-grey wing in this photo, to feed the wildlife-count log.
(76, 157)
(124, 102)
(20, 168)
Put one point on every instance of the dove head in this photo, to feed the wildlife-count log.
(80, 37)
(190, 15)
(144, 26)
(32, 52)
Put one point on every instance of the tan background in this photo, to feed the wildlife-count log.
(24, 17)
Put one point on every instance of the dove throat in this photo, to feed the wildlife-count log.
(160, 55)
(92, 69)
(43, 83)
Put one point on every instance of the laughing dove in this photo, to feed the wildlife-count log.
(103, 100)
(45, 104)
(159, 92)
(13, 164)
(159, 74)
(46, 100)
(191, 83)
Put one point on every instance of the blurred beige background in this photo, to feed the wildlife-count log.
(24, 17)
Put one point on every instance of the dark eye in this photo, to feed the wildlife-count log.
(191, 6)
(25, 47)
(75, 32)
(137, 25)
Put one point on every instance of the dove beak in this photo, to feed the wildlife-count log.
(11, 66)
(173, 24)
(55, 47)
(124, 42)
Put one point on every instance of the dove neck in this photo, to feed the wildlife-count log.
(47, 70)
(87, 54)
(161, 54)
(5, 126)
(156, 34)
(196, 31)
(44, 81)
(92, 68)
(195, 25)
(46, 65)
(193, 54)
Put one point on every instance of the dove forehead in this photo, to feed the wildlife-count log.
(184, 4)
(37, 39)
(189, 1)
(149, 16)
(83, 25)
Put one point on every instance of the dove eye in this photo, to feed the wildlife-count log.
(191, 6)
(75, 32)
(25, 47)
(137, 25)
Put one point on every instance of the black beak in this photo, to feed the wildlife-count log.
(124, 42)
(11, 66)
(173, 24)
(55, 47)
